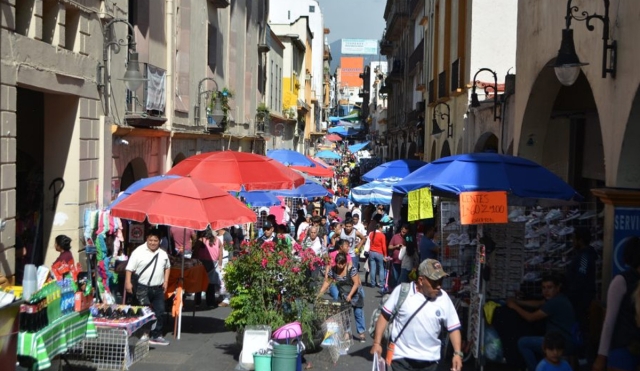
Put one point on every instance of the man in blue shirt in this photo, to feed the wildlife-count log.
(428, 248)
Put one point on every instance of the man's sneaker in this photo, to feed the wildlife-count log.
(159, 341)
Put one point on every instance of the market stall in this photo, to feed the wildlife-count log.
(475, 226)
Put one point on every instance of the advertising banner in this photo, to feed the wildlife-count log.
(360, 46)
(350, 70)
(626, 224)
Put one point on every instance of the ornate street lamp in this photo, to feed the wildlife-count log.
(567, 65)
(494, 88)
(436, 131)
(215, 115)
(132, 77)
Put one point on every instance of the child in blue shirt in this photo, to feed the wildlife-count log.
(553, 348)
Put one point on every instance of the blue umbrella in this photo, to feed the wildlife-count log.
(393, 169)
(328, 154)
(258, 198)
(344, 131)
(290, 158)
(358, 146)
(521, 178)
(139, 185)
(307, 190)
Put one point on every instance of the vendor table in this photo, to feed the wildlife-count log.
(195, 280)
(119, 344)
(36, 349)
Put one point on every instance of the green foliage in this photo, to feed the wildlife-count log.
(222, 97)
(271, 284)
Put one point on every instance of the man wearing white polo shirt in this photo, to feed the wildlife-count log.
(416, 328)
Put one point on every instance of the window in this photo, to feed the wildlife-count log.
(312, 9)
(455, 79)
(212, 43)
(442, 84)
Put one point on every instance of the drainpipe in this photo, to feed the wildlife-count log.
(167, 161)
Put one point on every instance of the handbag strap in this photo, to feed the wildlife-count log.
(409, 320)
(155, 262)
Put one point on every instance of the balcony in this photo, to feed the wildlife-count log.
(397, 73)
(398, 19)
(386, 47)
(220, 3)
(145, 106)
(416, 58)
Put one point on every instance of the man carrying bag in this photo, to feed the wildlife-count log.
(148, 268)
(414, 341)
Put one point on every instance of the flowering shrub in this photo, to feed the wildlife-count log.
(271, 284)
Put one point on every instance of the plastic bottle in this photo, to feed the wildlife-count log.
(30, 281)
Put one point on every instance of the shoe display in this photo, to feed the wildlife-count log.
(566, 231)
(587, 215)
(552, 215)
(573, 214)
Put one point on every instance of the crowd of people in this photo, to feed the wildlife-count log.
(364, 241)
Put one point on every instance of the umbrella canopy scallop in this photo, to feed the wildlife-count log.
(236, 171)
(290, 158)
(184, 202)
(393, 169)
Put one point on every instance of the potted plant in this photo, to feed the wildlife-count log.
(222, 97)
(271, 284)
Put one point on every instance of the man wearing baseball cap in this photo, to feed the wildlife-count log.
(414, 342)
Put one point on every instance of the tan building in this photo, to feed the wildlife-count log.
(73, 135)
(587, 132)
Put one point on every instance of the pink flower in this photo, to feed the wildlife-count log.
(265, 262)
(283, 261)
(269, 245)
(280, 236)
(295, 270)
(297, 247)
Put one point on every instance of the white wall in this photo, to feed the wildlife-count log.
(493, 38)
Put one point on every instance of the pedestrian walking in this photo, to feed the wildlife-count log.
(415, 332)
(148, 270)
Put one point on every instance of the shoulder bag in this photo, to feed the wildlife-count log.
(135, 277)
(392, 346)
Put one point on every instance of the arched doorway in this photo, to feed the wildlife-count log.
(459, 148)
(561, 131)
(628, 169)
(179, 157)
(136, 169)
(446, 151)
(510, 148)
(488, 142)
(403, 151)
(411, 152)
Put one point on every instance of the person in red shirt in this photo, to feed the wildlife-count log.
(395, 244)
(63, 246)
(377, 255)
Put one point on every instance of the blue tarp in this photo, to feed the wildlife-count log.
(353, 116)
(358, 146)
(258, 198)
(290, 158)
(520, 177)
(328, 154)
(309, 189)
(393, 169)
(377, 193)
(344, 131)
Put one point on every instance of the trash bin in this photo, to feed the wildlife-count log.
(9, 326)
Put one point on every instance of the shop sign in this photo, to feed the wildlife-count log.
(136, 233)
(626, 224)
(483, 207)
(420, 204)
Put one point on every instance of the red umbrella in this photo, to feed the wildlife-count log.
(184, 202)
(333, 137)
(319, 170)
(233, 171)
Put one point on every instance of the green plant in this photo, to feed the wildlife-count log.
(262, 110)
(271, 284)
(223, 97)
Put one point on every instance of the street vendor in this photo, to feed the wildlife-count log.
(62, 245)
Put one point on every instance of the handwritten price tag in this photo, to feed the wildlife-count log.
(483, 207)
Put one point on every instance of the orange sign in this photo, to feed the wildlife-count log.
(350, 70)
(483, 207)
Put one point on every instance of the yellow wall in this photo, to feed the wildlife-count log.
(289, 96)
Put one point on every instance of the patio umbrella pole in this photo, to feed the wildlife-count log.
(184, 250)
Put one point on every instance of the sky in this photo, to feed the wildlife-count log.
(353, 19)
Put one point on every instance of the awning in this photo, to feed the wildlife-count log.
(353, 116)
(344, 131)
(358, 146)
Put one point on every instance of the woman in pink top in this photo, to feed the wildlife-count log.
(207, 249)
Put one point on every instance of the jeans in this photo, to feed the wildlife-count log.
(358, 313)
(404, 276)
(394, 276)
(210, 296)
(356, 261)
(531, 349)
(334, 292)
(376, 263)
(153, 296)
(406, 364)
